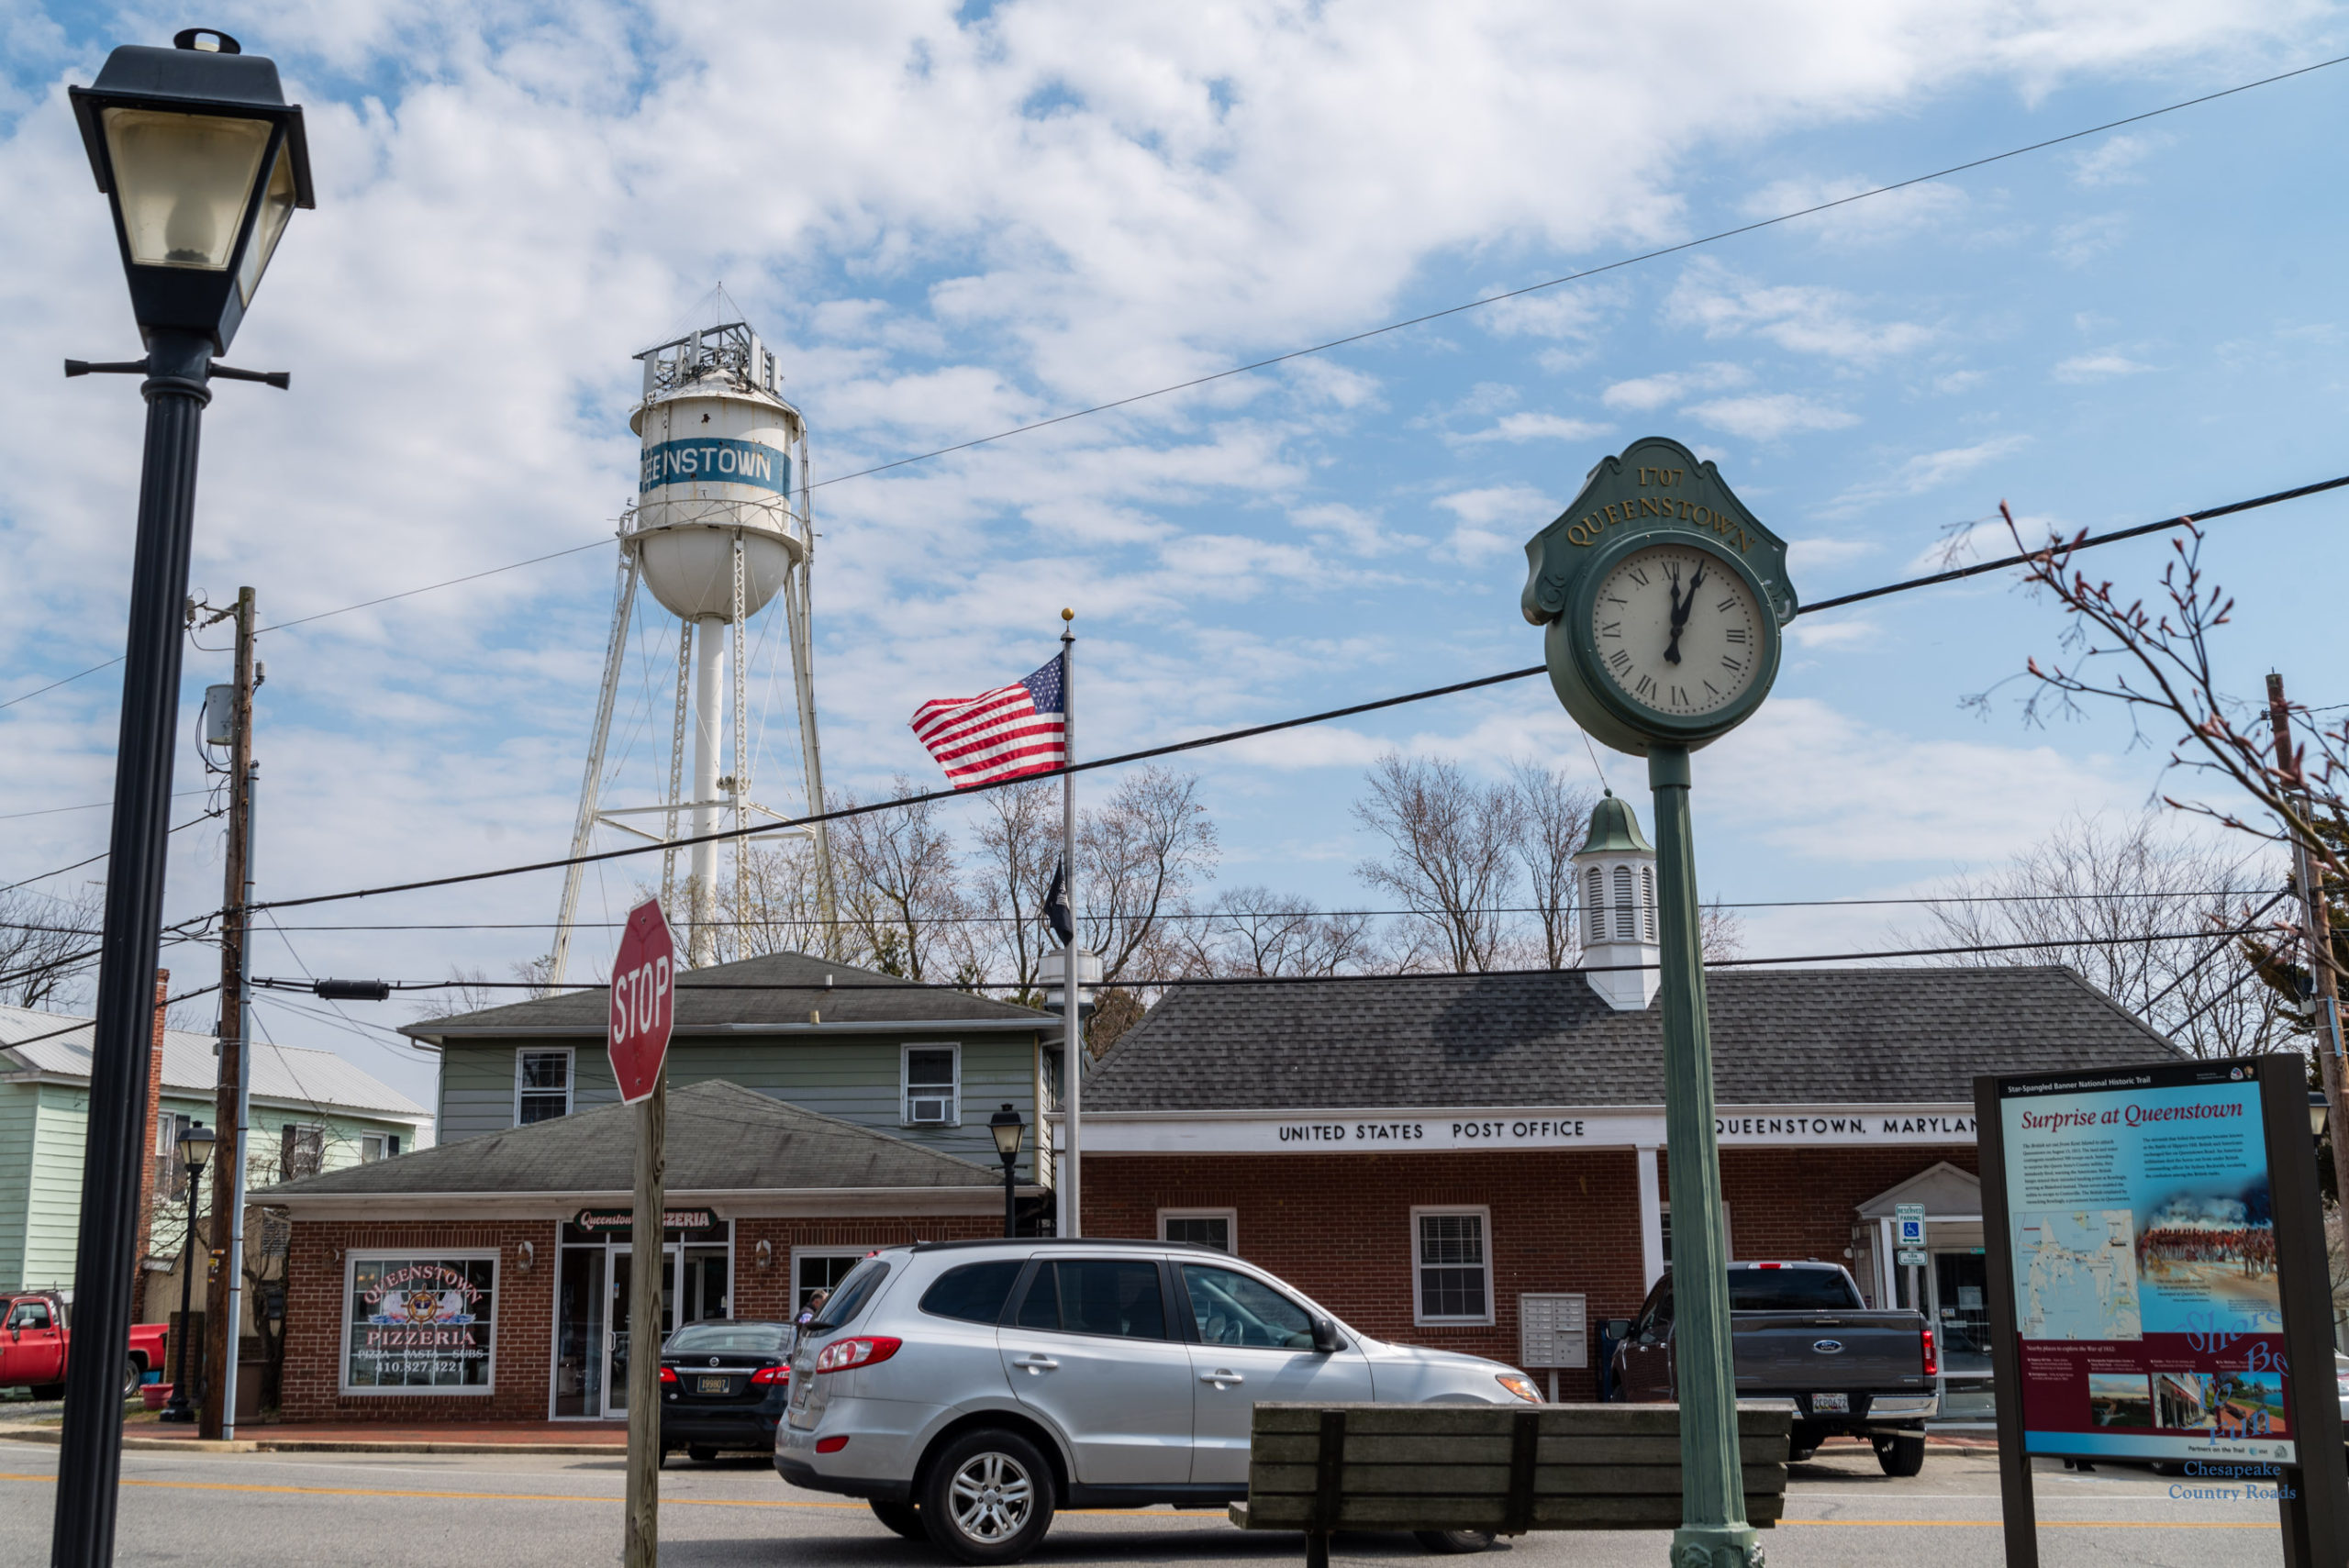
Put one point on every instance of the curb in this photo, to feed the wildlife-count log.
(51, 1436)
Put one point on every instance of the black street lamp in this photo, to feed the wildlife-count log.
(203, 160)
(1008, 1130)
(196, 1148)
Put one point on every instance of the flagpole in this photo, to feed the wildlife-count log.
(1069, 1221)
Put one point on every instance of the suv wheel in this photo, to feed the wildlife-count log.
(989, 1498)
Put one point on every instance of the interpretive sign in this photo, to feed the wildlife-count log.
(2140, 1227)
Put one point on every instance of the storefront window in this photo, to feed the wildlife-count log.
(420, 1324)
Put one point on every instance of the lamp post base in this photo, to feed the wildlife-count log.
(1715, 1546)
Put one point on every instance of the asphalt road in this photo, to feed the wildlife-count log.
(357, 1510)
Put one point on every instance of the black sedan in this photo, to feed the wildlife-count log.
(723, 1385)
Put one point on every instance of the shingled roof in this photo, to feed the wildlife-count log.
(773, 988)
(721, 1137)
(1781, 1037)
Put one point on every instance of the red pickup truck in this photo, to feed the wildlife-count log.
(33, 1337)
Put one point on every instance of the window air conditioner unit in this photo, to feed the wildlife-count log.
(928, 1110)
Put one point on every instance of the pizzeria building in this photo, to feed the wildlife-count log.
(1475, 1161)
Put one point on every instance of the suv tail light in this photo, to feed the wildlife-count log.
(842, 1354)
(1933, 1362)
(668, 1375)
(771, 1375)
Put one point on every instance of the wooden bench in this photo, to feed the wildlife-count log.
(1507, 1469)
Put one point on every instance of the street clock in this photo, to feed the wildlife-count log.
(1664, 597)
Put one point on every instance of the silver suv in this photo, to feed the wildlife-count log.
(967, 1389)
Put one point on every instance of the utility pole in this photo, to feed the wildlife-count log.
(223, 1301)
(2316, 923)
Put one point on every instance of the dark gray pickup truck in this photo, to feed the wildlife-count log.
(1801, 1332)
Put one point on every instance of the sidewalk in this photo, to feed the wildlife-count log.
(371, 1437)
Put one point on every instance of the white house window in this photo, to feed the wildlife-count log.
(170, 1174)
(932, 1078)
(1626, 907)
(542, 1086)
(1214, 1228)
(301, 1151)
(1454, 1265)
(1593, 904)
(375, 1146)
(818, 1268)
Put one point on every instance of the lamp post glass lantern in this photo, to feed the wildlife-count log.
(1010, 1132)
(2319, 1112)
(196, 1148)
(201, 161)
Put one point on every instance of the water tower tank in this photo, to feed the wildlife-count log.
(716, 456)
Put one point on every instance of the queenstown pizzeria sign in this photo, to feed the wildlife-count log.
(1325, 1132)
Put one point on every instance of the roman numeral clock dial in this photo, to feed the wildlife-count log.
(1677, 631)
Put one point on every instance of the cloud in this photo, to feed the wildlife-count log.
(1652, 392)
(1495, 520)
(1894, 215)
(2102, 366)
(1766, 416)
(2114, 161)
(1820, 554)
(1856, 632)
(1930, 471)
(1364, 532)
(1802, 318)
(2083, 240)
(1534, 428)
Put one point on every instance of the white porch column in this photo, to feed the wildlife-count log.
(1651, 1218)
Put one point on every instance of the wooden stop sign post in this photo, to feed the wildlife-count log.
(644, 1009)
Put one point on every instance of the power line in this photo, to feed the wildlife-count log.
(93, 1023)
(90, 806)
(1172, 981)
(429, 587)
(77, 865)
(1577, 276)
(1248, 914)
(1225, 738)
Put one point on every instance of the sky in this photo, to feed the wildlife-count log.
(949, 220)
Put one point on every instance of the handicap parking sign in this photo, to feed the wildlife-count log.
(1908, 1222)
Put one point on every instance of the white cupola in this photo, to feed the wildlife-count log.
(1616, 868)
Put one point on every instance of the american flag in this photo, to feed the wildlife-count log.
(1006, 733)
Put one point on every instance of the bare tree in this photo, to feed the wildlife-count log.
(2155, 661)
(1452, 854)
(1137, 857)
(776, 907)
(1019, 843)
(1553, 818)
(469, 992)
(1720, 933)
(1254, 932)
(898, 891)
(2132, 909)
(47, 944)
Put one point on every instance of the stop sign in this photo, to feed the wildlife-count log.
(644, 999)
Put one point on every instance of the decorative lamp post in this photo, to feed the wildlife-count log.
(196, 1148)
(1010, 1132)
(203, 162)
(2318, 1112)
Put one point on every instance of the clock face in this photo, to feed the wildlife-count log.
(1678, 630)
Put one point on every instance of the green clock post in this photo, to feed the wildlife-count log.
(1664, 598)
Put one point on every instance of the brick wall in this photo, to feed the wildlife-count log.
(315, 1272)
(1340, 1224)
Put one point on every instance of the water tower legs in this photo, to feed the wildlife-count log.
(710, 725)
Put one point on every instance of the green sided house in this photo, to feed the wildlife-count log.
(312, 1112)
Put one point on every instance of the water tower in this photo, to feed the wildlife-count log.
(713, 534)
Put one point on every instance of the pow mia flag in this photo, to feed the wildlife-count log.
(1057, 904)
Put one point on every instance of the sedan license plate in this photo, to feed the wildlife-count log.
(1831, 1403)
(717, 1386)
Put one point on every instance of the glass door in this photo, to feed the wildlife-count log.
(579, 1340)
(616, 1377)
(1962, 1331)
